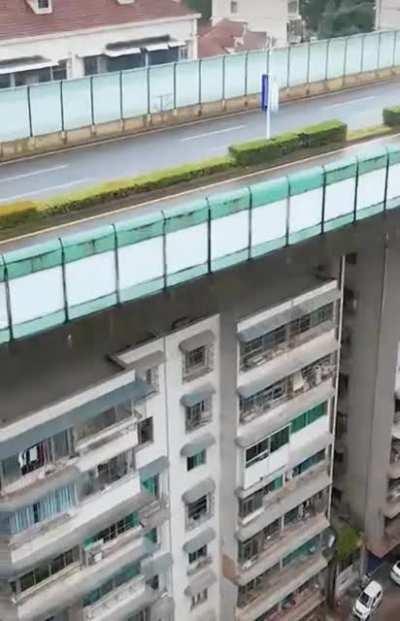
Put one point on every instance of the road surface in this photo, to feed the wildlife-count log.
(62, 172)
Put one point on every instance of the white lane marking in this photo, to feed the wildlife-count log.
(351, 102)
(42, 171)
(217, 131)
(49, 188)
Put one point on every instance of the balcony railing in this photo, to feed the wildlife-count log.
(108, 434)
(199, 565)
(116, 597)
(265, 353)
(297, 384)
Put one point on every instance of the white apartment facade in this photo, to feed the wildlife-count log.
(387, 15)
(271, 16)
(44, 40)
(192, 482)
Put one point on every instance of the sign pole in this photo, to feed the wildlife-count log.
(268, 112)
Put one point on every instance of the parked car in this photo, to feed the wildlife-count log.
(368, 601)
(395, 573)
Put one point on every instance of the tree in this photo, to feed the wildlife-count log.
(335, 18)
(201, 6)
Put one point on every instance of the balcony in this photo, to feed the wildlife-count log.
(280, 585)
(281, 544)
(288, 382)
(264, 353)
(203, 562)
(113, 603)
(291, 495)
(109, 434)
(396, 426)
(71, 585)
(300, 605)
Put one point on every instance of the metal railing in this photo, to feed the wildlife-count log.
(71, 104)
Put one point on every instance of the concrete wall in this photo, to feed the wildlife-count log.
(261, 15)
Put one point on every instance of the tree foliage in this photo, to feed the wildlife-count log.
(334, 18)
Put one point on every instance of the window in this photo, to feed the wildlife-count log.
(35, 457)
(264, 399)
(262, 346)
(279, 439)
(234, 6)
(306, 549)
(311, 320)
(307, 418)
(198, 510)
(45, 570)
(199, 598)
(143, 615)
(152, 485)
(145, 430)
(255, 501)
(257, 452)
(112, 470)
(198, 414)
(152, 535)
(43, 4)
(124, 576)
(308, 463)
(255, 545)
(198, 555)
(48, 507)
(114, 530)
(197, 361)
(5, 80)
(252, 589)
(196, 460)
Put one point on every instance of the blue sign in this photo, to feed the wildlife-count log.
(264, 91)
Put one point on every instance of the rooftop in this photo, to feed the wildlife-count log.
(55, 364)
(229, 36)
(17, 19)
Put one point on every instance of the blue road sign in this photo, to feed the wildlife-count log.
(264, 91)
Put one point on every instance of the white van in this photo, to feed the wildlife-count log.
(368, 601)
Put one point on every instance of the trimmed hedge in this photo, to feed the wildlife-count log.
(329, 132)
(391, 116)
(13, 214)
(250, 153)
(259, 151)
(127, 187)
(262, 151)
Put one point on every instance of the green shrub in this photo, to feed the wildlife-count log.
(391, 116)
(261, 151)
(330, 132)
(347, 542)
(17, 213)
(128, 187)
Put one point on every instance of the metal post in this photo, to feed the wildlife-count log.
(200, 93)
(346, 42)
(250, 238)
(246, 76)
(209, 266)
(92, 100)
(395, 47)
(356, 194)
(165, 265)
(379, 50)
(308, 63)
(64, 281)
(116, 264)
(323, 202)
(174, 86)
(28, 95)
(362, 53)
(289, 55)
(121, 98)
(268, 111)
(62, 105)
(223, 76)
(328, 47)
(8, 302)
(386, 181)
(148, 90)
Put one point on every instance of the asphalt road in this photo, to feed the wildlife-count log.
(389, 610)
(53, 174)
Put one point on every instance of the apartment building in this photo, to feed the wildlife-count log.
(44, 40)
(275, 18)
(173, 460)
(387, 14)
